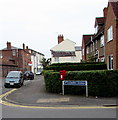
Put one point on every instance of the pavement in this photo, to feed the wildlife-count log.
(33, 93)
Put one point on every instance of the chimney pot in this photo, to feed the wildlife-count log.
(60, 38)
(8, 45)
(23, 46)
(26, 47)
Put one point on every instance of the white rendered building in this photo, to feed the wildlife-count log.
(65, 51)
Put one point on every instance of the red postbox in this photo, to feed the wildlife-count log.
(62, 74)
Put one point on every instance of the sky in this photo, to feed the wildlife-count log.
(37, 23)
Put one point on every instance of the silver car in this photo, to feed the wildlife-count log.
(14, 78)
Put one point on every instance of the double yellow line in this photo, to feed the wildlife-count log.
(5, 94)
(39, 107)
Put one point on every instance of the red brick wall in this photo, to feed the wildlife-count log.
(83, 47)
(117, 44)
(18, 62)
(8, 58)
(24, 58)
(110, 47)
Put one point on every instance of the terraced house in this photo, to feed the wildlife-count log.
(22, 59)
(103, 45)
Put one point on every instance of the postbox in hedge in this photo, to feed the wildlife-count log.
(62, 74)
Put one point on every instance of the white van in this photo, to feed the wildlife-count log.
(14, 78)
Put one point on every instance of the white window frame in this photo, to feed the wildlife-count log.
(103, 59)
(96, 29)
(1, 56)
(14, 52)
(110, 62)
(91, 46)
(110, 34)
(102, 41)
(87, 50)
(96, 44)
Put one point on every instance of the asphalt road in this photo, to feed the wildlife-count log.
(15, 112)
(9, 111)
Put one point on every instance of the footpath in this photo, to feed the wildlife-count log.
(33, 93)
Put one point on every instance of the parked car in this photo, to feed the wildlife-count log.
(28, 75)
(39, 72)
(14, 78)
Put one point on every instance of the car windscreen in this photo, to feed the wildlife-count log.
(27, 72)
(13, 75)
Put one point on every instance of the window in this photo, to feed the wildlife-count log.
(110, 62)
(56, 59)
(102, 59)
(14, 52)
(1, 56)
(72, 58)
(91, 46)
(96, 44)
(102, 41)
(87, 50)
(96, 29)
(110, 34)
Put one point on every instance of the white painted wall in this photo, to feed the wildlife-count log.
(65, 46)
(36, 64)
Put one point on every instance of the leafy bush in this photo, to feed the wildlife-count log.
(77, 66)
(100, 83)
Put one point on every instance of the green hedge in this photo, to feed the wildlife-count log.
(100, 83)
(77, 66)
(77, 63)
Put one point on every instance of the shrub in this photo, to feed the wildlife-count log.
(78, 67)
(100, 83)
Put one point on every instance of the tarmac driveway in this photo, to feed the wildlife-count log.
(33, 93)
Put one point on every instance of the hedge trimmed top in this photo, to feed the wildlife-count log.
(77, 66)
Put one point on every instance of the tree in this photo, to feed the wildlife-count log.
(45, 62)
(91, 58)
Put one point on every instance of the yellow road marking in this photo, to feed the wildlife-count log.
(56, 107)
(3, 95)
(39, 107)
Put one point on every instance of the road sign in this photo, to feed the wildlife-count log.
(79, 83)
(30, 63)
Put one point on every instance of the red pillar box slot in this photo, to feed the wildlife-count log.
(62, 74)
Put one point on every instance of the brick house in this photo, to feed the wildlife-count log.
(98, 39)
(87, 47)
(13, 58)
(111, 35)
(105, 39)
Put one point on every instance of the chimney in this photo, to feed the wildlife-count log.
(105, 12)
(60, 38)
(23, 46)
(27, 47)
(8, 45)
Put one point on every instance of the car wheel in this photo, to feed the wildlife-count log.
(22, 84)
(19, 85)
(5, 86)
